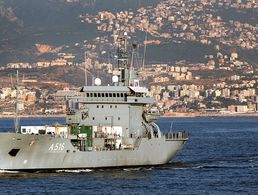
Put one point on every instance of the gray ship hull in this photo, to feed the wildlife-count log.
(45, 152)
(106, 126)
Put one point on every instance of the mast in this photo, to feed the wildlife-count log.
(123, 60)
(16, 104)
(127, 74)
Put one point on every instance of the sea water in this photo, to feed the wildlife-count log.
(221, 157)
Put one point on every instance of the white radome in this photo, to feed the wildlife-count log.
(115, 79)
(98, 81)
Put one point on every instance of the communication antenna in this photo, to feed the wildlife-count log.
(11, 80)
(85, 68)
(16, 104)
(144, 51)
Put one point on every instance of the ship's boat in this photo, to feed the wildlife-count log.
(107, 126)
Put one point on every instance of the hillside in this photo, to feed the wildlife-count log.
(57, 23)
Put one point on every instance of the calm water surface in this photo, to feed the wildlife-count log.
(221, 157)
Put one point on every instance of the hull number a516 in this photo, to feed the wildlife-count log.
(57, 147)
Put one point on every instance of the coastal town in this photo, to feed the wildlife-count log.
(189, 21)
(222, 82)
(177, 89)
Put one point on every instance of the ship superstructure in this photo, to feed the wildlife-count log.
(107, 126)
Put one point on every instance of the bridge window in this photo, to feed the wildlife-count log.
(93, 118)
(95, 95)
(110, 94)
(103, 95)
(87, 95)
(118, 95)
(106, 94)
(99, 95)
(97, 106)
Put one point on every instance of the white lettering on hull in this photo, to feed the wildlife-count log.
(57, 147)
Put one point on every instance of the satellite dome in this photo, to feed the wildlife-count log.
(97, 81)
(115, 79)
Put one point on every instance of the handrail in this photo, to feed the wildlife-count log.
(176, 136)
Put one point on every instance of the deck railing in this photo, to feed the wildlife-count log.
(176, 136)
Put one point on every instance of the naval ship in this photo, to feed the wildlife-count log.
(106, 126)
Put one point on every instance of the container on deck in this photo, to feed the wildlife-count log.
(82, 130)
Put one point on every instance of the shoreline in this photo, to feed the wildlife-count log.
(198, 114)
(2, 116)
(166, 115)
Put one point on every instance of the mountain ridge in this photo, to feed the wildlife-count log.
(54, 22)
